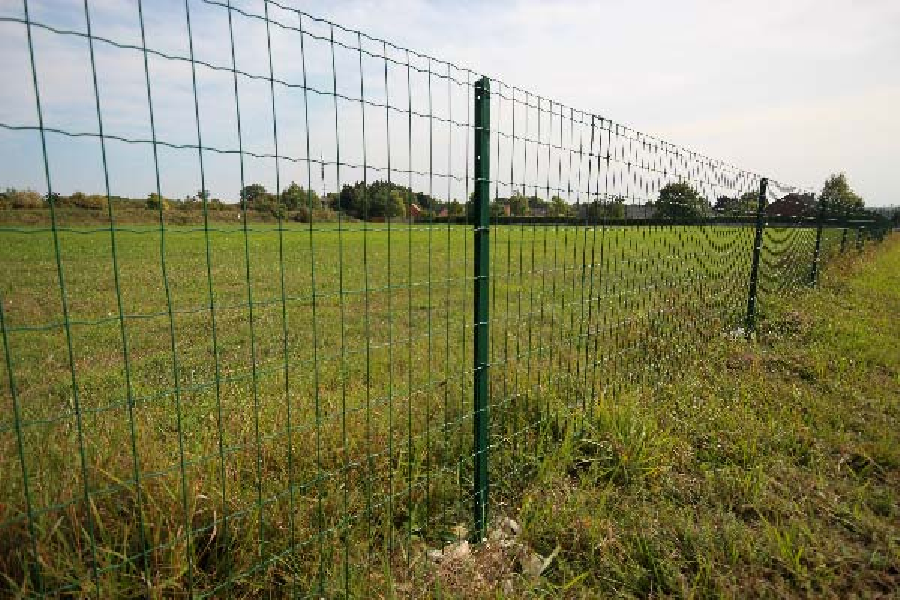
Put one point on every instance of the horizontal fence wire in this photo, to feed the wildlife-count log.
(269, 386)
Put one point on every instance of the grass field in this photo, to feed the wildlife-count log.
(263, 407)
(767, 470)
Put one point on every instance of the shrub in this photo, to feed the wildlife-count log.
(80, 200)
(154, 200)
(300, 215)
(22, 199)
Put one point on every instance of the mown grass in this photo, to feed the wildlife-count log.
(316, 444)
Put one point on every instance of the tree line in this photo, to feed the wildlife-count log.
(677, 201)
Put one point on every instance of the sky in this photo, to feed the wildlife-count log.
(792, 90)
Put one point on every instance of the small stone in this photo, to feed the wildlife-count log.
(460, 550)
(511, 526)
(533, 564)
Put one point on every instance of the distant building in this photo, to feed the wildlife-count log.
(640, 211)
(886, 211)
(632, 211)
(537, 207)
(415, 212)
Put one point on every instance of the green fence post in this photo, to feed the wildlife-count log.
(814, 276)
(482, 293)
(859, 238)
(750, 325)
(844, 240)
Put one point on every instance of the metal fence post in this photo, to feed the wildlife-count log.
(482, 292)
(844, 240)
(750, 325)
(859, 238)
(814, 276)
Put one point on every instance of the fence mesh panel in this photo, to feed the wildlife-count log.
(275, 390)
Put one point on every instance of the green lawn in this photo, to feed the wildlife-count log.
(324, 439)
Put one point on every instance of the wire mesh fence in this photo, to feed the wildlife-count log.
(301, 390)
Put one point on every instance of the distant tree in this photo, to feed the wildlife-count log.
(203, 195)
(267, 203)
(395, 205)
(498, 207)
(745, 204)
(376, 199)
(593, 211)
(840, 200)
(295, 196)
(455, 209)
(518, 205)
(611, 209)
(559, 207)
(379, 199)
(615, 208)
(253, 193)
(353, 199)
(680, 202)
(470, 208)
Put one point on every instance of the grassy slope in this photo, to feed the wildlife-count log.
(769, 469)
